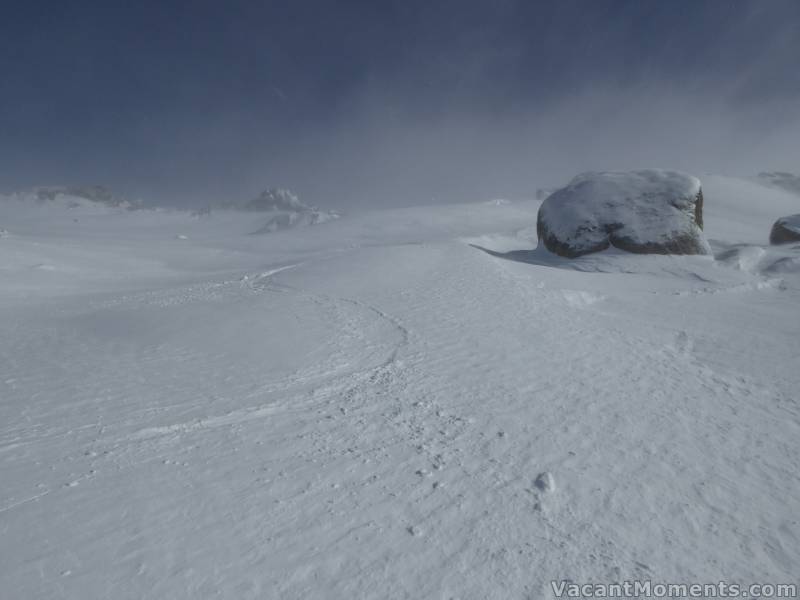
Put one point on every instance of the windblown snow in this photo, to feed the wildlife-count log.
(406, 403)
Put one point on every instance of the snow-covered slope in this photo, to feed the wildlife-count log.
(379, 409)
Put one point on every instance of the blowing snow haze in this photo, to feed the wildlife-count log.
(562, 350)
(390, 103)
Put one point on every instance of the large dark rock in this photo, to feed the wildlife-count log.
(785, 230)
(646, 212)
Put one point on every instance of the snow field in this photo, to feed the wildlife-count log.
(375, 408)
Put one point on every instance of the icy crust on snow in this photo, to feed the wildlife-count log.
(649, 211)
(785, 230)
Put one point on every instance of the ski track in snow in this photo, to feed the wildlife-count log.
(401, 421)
(262, 282)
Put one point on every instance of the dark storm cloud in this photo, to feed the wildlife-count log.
(370, 102)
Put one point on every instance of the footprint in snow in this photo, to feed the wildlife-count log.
(544, 482)
(683, 343)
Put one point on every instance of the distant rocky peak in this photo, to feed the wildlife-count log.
(278, 199)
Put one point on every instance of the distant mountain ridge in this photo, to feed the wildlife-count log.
(282, 207)
(76, 195)
(780, 179)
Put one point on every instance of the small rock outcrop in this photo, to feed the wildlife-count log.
(645, 212)
(286, 211)
(277, 199)
(785, 230)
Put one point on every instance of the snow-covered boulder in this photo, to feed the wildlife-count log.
(785, 230)
(646, 212)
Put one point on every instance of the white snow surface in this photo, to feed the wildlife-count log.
(378, 408)
(649, 205)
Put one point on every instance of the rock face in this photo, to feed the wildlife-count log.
(646, 212)
(785, 230)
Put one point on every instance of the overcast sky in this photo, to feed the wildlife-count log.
(383, 102)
